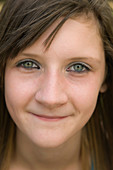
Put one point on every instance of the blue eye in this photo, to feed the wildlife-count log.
(28, 64)
(78, 67)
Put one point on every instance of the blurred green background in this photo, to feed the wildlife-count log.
(1, 3)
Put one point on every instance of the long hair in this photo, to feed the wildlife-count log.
(21, 24)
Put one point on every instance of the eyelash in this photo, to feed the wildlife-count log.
(34, 64)
(74, 66)
(82, 67)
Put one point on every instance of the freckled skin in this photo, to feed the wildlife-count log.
(54, 91)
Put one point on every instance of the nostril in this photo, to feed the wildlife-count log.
(51, 92)
(50, 99)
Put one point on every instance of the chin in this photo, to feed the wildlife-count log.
(47, 141)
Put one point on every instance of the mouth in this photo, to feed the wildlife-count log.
(50, 118)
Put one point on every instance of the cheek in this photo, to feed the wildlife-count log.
(18, 92)
(84, 97)
(84, 103)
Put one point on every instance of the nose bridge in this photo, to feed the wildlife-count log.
(51, 92)
(53, 82)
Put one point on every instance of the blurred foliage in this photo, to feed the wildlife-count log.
(0, 5)
(111, 3)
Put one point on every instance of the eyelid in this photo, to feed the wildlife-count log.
(27, 60)
(79, 62)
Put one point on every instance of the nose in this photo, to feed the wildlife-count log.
(51, 94)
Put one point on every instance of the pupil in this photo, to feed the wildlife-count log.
(78, 67)
(28, 64)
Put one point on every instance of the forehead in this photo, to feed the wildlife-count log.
(87, 21)
(81, 32)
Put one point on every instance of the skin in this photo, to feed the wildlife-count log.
(59, 89)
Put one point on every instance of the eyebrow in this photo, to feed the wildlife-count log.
(85, 58)
(30, 55)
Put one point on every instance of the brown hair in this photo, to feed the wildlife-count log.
(21, 24)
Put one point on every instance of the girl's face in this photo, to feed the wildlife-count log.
(51, 94)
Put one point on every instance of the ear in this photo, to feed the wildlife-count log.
(103, 88)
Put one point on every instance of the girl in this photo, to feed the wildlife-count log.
(56, 85)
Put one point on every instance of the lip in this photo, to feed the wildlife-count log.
(50, 118)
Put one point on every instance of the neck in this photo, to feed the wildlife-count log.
(29, 156)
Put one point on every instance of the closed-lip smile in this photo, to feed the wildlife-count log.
(50, 118)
